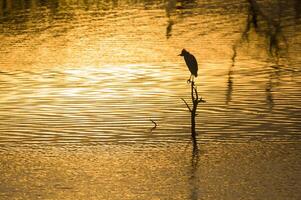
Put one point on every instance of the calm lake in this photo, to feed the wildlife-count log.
(82, 80)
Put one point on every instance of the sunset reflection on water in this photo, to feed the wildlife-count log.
(81, 82)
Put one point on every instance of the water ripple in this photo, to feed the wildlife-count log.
(86, 74)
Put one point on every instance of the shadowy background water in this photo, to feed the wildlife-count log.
(80, 82)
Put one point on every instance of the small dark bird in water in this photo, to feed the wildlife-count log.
(191, 63)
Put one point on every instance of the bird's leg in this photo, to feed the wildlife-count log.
(189, 80)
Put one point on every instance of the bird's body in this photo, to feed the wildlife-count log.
(191, 63)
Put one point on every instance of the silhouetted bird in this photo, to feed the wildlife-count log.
(191, 63)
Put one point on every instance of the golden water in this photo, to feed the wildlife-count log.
(80, 82)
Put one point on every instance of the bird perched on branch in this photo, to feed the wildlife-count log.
(191, 63)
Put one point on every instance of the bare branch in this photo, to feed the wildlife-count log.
(196, 93)
(192, 87)
(186, 105)
(154, 124)
(201, 100)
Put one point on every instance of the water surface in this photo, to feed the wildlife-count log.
(80, 82)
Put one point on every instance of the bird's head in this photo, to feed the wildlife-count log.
(183, 52)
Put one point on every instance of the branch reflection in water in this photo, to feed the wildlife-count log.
(297, 9)
(230, 77)
(268, 25)
(194, 178)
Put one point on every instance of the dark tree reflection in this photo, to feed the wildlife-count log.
(269, 95)
(194, 178)
(298, 8)
(251, 19)
(169, 28)
(1, 7)
(8, 7)
(172, 8)
(230, 75)
(268, 26)
(169, 8)
(271, 86)
(229, 86)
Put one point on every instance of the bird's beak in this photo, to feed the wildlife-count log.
(180, 55)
